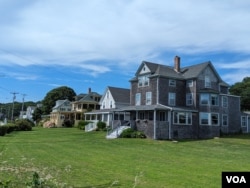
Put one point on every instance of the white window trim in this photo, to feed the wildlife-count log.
(190, 83)
(207, 82)
(148, 98)
(188, 99)
(186, 115)
(224, 104)
(209, 119)
(170, 99)
(245, 121)
(172, 83)
(208, 101)
(138, 100)
(224, 115)
(217, 102)
(143, 80)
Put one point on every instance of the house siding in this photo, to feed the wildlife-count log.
(160, 88)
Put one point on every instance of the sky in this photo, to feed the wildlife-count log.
(81, 44)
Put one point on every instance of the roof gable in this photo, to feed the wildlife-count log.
(147, 67)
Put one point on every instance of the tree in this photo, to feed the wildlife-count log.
(37, 114)
(242, 89)
(52, 96)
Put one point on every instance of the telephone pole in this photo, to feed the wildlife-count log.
(22, 106)
(14, 97)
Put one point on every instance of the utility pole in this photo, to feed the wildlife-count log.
(22, 105)
(14, 97)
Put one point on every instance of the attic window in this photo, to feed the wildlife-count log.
(143, 81)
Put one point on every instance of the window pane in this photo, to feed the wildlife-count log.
(204, 118)
(215, 119)
(214, 100)
(204, 98)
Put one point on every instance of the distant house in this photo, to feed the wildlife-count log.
(245, 122)
(61, 112)
(112, 100)
(174, 102)
(85, 103)
(29, 112)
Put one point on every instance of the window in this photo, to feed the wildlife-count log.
(214, 100)
(215, 119)
(204, 118)
(141, 115)
(207, 82)
(183, 118)
(138, 99)
(207, 99)
(110, 104)
(172, 83)
(148, 98)
(189, 99)
(143, 81)
(209, 118)
(224, 101)
(103, 105)
(162, 116)
(204, 99)
(224, 120)
(171, 99)
(190, 83)
(243, 121)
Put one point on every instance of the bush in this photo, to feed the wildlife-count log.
(81, 124)
(101, 125)
(3, 130)
(24, 125)
(11, 127)
(130, 133)
(67, 123)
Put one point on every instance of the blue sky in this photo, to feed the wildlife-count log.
(45, 44)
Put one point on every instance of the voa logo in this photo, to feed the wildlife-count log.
(236, 179)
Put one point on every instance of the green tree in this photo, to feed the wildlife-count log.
(37, 114)
(52, 96)
(242, 89)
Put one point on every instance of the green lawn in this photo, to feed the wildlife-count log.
(72, 158)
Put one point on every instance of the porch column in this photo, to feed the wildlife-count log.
(169, 124)
(154, 124)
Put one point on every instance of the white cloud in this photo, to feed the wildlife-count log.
(76, 32)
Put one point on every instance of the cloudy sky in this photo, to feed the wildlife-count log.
(45, 44)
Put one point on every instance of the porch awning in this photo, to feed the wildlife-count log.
(156, 107)
(103, 111)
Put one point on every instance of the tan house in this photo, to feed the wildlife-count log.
(85, 103)
(61, 112)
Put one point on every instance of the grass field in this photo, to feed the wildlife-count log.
(72, 158)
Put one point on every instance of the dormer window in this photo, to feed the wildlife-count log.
(190, 83)
(143, 81)
(207, 82)
(172, 83)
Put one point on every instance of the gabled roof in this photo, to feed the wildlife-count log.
(185, 73)
(60, 103)
(121, 95)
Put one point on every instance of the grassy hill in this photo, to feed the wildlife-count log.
(72, 158)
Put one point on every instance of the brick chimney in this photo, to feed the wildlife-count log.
(177, 64)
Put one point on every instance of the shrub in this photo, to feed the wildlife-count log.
(11, 127)
(81, 124)
(101, 125)
(24, 125)
(3, 130)
(67, 123)
(130, 133)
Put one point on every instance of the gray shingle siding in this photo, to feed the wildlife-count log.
(160, 88)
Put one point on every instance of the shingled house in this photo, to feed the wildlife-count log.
(113, 99)
(174, 102)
